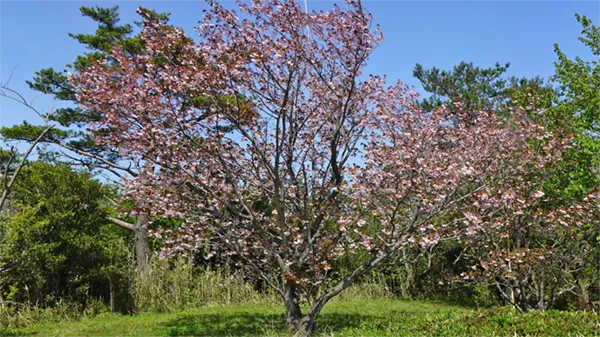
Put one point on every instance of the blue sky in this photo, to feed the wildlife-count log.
(33, 35)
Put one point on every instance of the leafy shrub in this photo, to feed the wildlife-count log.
(58, 244)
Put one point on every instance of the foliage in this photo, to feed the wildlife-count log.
(57, 245)
(579, 89)
(576, 108)
(372, 287)
(579, 80)
(481, 88)
(78, 143)
(100, 44)
(7, 160)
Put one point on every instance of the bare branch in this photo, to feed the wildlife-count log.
(122, 223)
(22, 163)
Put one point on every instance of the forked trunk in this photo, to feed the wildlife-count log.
(308, 324)
(301, 325)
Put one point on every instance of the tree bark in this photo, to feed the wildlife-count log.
(585, 296)
(409, 281)
(293, 315)
(140, 233)
(111, 288)
(308, 324)
(142, 247)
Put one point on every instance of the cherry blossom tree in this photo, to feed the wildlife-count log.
(481, 185)
(274, 148)
(532, 248)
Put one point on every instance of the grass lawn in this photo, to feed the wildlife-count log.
(354, 318)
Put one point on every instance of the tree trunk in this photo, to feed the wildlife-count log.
(408, 282)
(140, 232)
(585, 295)
(112, 295)
(142, 247)
(308, 324)
(305, 326)
(541, 304)
(292, 306)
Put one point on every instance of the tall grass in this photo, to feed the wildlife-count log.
(168, 285)
(163, 286)
(23, 314)
(175, 285)
(371, 287)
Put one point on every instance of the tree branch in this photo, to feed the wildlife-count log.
(122, 223)
(22, 163)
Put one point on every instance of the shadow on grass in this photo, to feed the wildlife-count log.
(252, 324)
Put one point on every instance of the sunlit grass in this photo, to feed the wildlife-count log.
(352, 318)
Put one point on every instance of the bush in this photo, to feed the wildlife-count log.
(58, 244)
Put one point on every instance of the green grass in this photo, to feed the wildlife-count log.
(352, 318)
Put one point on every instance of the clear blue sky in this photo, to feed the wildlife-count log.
(33, 35)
